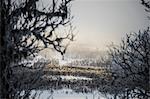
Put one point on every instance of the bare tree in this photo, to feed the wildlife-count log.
(133, 59)
(26, 27)
(146, 4)
(130, 64)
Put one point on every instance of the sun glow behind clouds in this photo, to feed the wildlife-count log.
(101, 22)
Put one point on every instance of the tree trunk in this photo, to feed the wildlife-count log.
(4, 85)
(0, 51)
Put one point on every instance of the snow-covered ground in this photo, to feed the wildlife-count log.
(67, 94)
(29, 62)
(67, 77)
(75, 78)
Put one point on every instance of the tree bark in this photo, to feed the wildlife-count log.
(4, 85)
(0, 50)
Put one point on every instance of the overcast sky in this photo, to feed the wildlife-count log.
(100, 22)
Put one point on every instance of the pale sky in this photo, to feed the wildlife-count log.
(100, 22)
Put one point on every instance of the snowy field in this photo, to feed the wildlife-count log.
(67, 94)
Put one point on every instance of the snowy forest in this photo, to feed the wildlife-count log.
(28, 28)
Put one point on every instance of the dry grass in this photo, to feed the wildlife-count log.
(85, 70)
